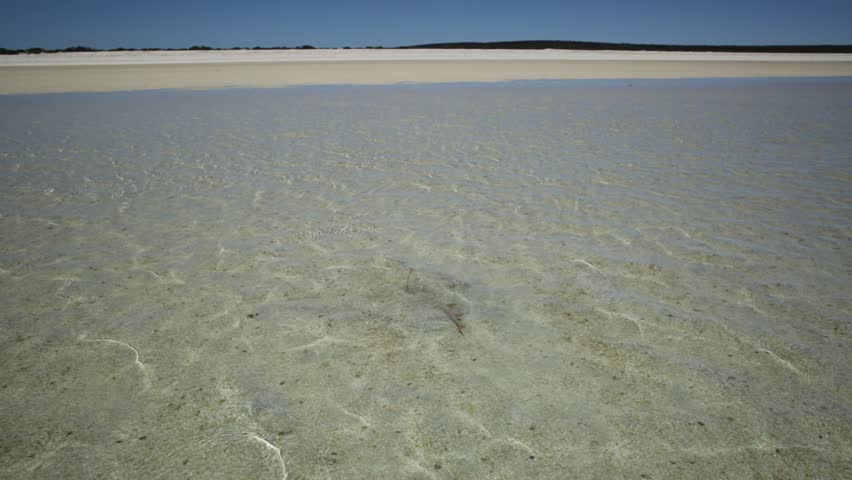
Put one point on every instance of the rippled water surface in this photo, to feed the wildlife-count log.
(652, 280)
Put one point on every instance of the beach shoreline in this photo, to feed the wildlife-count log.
(128, 71)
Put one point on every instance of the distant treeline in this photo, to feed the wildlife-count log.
(570, 45)
(519, 45)
(36, 50)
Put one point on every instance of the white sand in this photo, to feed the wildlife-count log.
(336, 55)
(108, 71)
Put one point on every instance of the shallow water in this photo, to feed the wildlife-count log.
(654, 278)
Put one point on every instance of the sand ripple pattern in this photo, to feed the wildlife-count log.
(653, 278)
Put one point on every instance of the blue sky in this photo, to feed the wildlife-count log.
(357, 23)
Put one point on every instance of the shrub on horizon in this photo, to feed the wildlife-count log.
(79, 49)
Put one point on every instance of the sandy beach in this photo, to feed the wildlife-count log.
(121, 71)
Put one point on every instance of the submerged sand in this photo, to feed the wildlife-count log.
(117, 71)
(255, 284)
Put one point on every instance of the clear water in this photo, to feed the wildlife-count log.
(654, 279)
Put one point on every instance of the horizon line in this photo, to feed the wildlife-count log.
(508, 45)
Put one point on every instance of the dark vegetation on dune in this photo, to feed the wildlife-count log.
(517, 45)
(37, 50)
(571, 45)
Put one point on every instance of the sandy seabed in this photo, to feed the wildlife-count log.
(255, 284)
(119, 71)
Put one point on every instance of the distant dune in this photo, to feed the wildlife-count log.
(511, 45)
(571, 45)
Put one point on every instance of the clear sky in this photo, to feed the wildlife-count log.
(357, 23)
